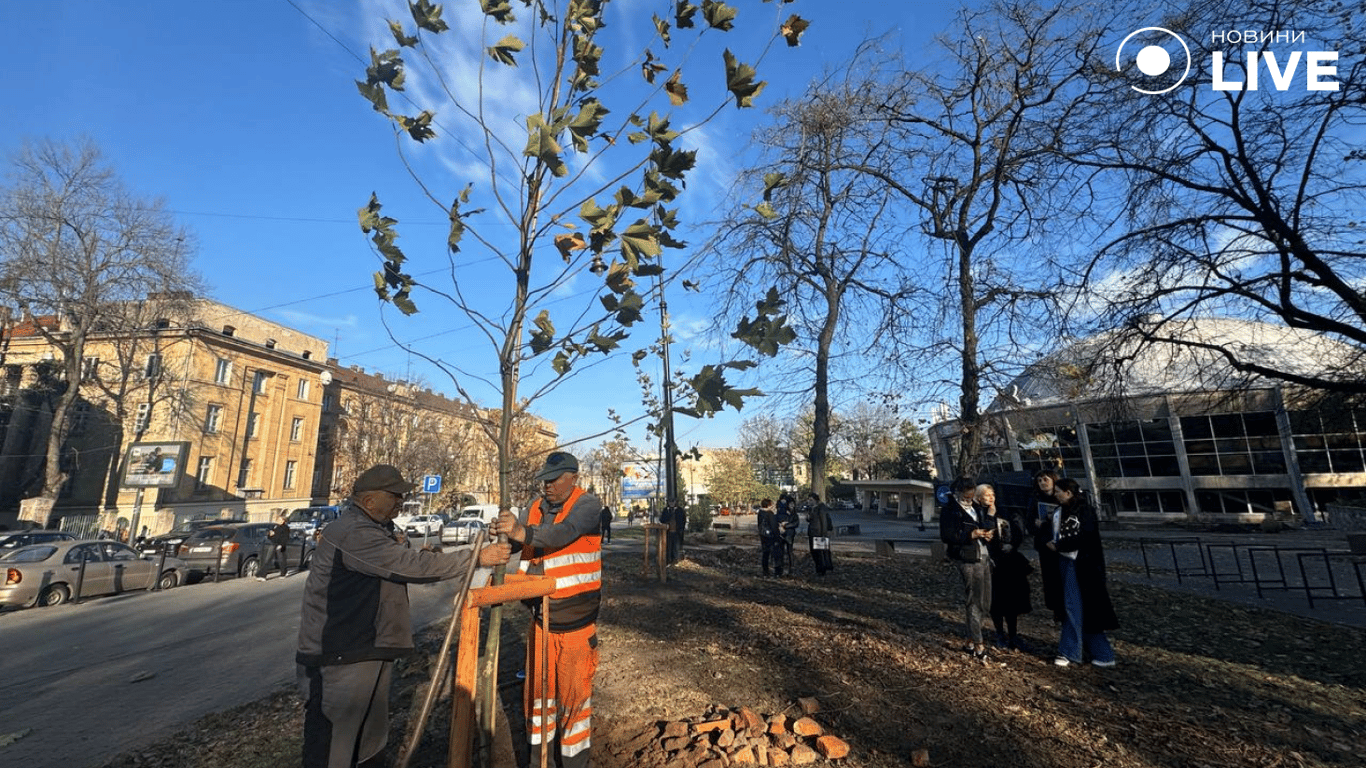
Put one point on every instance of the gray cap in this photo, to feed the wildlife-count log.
(382, 477)
(557, 464)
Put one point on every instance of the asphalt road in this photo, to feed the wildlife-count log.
(80, 684)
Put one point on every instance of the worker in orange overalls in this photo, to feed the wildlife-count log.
(560, 537)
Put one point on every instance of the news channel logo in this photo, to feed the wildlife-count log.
(1150, 50)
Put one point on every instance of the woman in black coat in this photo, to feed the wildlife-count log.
(1010, 569)
(1039, 523)
(1081, 564)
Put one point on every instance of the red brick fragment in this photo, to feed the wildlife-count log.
(807, 727)
(832, 747)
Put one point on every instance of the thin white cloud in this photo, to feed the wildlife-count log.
(308, 319)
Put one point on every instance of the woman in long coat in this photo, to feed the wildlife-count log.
(1081, 563)
(1039, 523)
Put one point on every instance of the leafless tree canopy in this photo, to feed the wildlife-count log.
(1243, 203)
(74, 247)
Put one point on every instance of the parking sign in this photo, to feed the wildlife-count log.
(431, 484)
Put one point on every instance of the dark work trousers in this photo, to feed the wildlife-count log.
(275, 558)
(346, 713)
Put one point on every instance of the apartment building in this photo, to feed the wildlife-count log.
(244, 393)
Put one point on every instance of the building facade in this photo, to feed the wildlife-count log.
(369, 419)
(1169, 434)
(243, 392)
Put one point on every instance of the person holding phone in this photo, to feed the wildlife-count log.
(966, 532)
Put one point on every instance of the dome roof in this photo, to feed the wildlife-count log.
(1119, 363)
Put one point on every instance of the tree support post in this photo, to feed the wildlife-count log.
(516, 587)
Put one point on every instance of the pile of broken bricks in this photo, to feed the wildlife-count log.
(722, 738)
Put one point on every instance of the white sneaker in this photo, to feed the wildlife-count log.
(1062, 661)
(1109, 663)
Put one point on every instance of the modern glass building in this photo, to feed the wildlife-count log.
(1170, 432)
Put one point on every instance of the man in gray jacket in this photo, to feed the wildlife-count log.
(355, 620)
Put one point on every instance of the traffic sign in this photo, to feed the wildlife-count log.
(943, 492)
(431, 484)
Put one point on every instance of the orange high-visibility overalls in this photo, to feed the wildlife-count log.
(565, 714)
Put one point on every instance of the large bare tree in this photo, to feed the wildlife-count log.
(975, 154)
(827, 238)
(75, 248)
(1235, 201)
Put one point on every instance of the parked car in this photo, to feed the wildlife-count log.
(423, 525)
(172, 540)
(463, 529)
(235, 550)
(311, 520)
(14, 540)
(46, 574)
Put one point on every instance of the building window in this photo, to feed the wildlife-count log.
(296, 429)
(143, 419)
(228, 330)
(258, 383)
(1142, 448)
(1051, 447)
(303, 389)
(14, 376)
(1233, 444)
(1333, 440)
(213, 418)
(327, 403)
(222, 371)
(90, 368)
(203, 471)
(253, 420)
(291, 467)
(152, 368)
(243, 473)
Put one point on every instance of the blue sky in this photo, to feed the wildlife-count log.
(243, 116)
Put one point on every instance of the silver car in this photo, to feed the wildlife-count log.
(46, 574)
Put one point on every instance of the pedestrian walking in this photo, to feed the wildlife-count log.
(605, 521)
(274, 548)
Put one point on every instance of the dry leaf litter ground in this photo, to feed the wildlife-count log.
(877, 646)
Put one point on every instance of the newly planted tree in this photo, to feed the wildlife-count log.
(572, 149)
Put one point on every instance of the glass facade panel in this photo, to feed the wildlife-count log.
(1204, 464)
(1134, 466)
(1164, 466)
(1313, 461)
(1268, 463)
(1227, 425)
(1346, 461)
(1235, 463)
